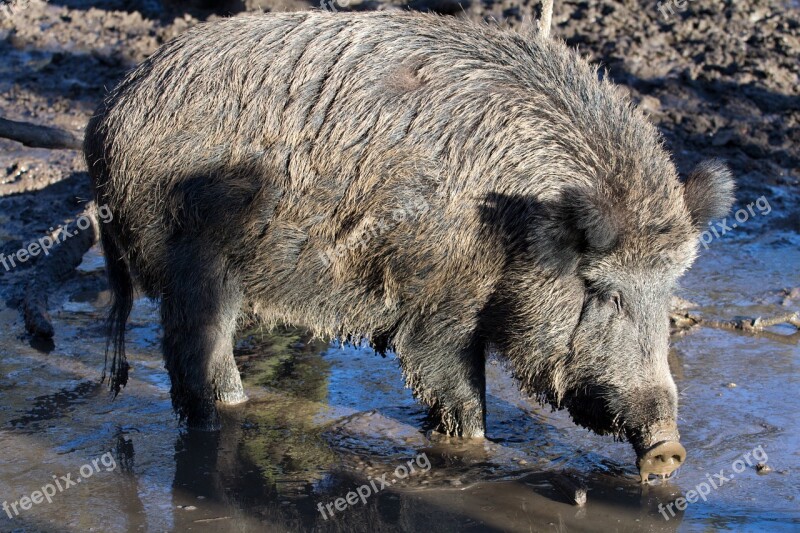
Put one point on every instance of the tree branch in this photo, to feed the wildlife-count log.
(39, 136)
(52, 270)
(755, 324)
(547, 17)
(682, 322)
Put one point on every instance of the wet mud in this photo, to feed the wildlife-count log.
(324, 420)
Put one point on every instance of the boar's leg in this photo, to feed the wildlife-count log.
(447, 376)
(199, 309)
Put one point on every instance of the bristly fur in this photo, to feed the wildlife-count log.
(430, 184)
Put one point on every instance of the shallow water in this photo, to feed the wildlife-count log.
(323, 420)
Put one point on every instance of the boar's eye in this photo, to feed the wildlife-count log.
(615, 300)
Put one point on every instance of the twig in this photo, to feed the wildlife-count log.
(755, 324)
(207, 520)
(34, 311)
(683, 322)
(572, 489)
(547, 17)
(55, 268)
(39, 136)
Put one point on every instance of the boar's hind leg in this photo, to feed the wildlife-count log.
(199, 309)
(449, 379)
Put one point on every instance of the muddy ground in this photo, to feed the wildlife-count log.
(719, 78)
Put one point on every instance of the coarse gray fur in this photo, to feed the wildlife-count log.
(440, 188)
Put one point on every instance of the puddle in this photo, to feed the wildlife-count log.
(325, 420)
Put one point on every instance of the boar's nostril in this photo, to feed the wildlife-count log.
(661, 459)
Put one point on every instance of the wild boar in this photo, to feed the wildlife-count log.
(439, 188)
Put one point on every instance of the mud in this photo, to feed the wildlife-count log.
(719, 79)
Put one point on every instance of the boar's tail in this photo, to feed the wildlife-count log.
(95, 146)
(121, 284)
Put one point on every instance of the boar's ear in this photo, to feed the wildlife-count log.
(708, 192)
(591, 218)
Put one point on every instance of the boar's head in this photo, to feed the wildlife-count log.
(589, 301)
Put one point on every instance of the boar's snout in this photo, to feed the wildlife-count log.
(661, 453)
(652, 429)
(662, 459)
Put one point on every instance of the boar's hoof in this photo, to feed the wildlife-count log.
(437, 435)
(227, 385)
(232, 398)
(661, 459)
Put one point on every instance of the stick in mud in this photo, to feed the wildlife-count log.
(53, 269)
(575, 492)
(36, 136)
(752, 326)
(756, 324)
(547, 17)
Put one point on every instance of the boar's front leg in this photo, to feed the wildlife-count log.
(448, 376)
(199, 308)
